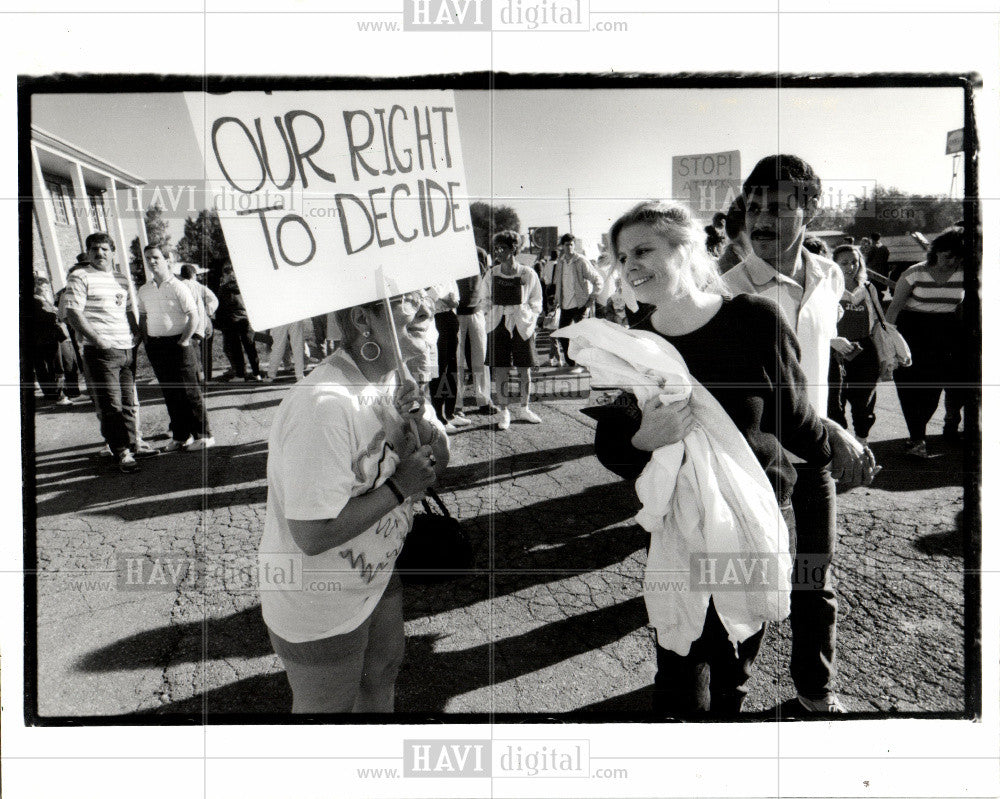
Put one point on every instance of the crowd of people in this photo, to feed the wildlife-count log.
(772, 334)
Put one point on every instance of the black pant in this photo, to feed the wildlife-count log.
(444, 387)
(176, 369)
(205, 354)
(854, 382)
(56, 368)
(712, 678)
(814, 599)
(935, 341)
(237, 339)
(569, 316)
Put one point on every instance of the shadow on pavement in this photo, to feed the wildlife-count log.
(530, 548)
(903, 473)
(264, 693)
(949, 543)
(113, 493)
(472, 475)
(239, 635)
(249, 406)
(427, 679)
(637, 703)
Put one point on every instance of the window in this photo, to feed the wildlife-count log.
(98, 214)
(60, 192)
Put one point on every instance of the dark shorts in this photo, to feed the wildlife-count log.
(507, 348)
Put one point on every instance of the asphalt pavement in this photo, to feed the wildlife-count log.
(551, 622)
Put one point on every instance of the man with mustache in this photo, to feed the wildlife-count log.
(100, 311)
(782, 196)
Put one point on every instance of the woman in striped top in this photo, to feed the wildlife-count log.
(925, 308)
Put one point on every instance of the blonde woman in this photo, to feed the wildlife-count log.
(742, 351)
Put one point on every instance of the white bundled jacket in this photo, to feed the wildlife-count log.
(706, 496)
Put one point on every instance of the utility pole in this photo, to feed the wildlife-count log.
(569, 205)
(954, 174)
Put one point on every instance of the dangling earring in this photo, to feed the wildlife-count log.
(366, 355)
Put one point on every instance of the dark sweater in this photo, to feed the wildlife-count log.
(748, 358)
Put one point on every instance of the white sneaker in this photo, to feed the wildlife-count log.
(504, 421)
(199, 444)
(576, 370)
(917, 449)
(450, 428)
(828, 705)
(529, 415)
(459, 421)
(553, 361)
(173, 444)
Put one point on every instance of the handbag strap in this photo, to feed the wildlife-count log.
(437, 499)
(878, 307)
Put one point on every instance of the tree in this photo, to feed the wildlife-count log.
(156, 233)
(204, 244)
(488, 220)
(892, 212)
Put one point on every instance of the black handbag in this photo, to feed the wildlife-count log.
(436, 549)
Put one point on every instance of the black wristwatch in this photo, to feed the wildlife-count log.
(400, 498)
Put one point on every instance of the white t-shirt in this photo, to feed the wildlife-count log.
(328, 443)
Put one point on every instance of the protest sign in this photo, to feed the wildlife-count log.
(317, 189)
(708, 182)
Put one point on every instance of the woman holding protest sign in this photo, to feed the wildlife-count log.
(511, 298)
(745, 406)
(349, 450)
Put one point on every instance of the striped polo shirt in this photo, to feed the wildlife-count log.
(928, 295)
(104, 303)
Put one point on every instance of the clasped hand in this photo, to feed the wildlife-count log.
(663, 424)
(853, 464)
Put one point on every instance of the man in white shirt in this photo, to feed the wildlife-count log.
(168, 317)
(782, 195)
(576, 282)
(207, 304)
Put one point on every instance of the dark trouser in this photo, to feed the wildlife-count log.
(814, 601)
(319, 334)
(569, 316)
(176, 369)
(935, 342)
(712, 678)
(854, 382)
(237, 339)
(113, 383)
(66, 362)
(444, 387)
(954, 401)
(204, 346)
(47, 371)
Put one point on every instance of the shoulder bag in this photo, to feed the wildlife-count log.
(436, 549)
(893, 351)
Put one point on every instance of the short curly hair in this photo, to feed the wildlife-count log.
(784, 171)
(509, 239)
(951, 241)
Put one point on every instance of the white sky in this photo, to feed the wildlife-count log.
(611, 148)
